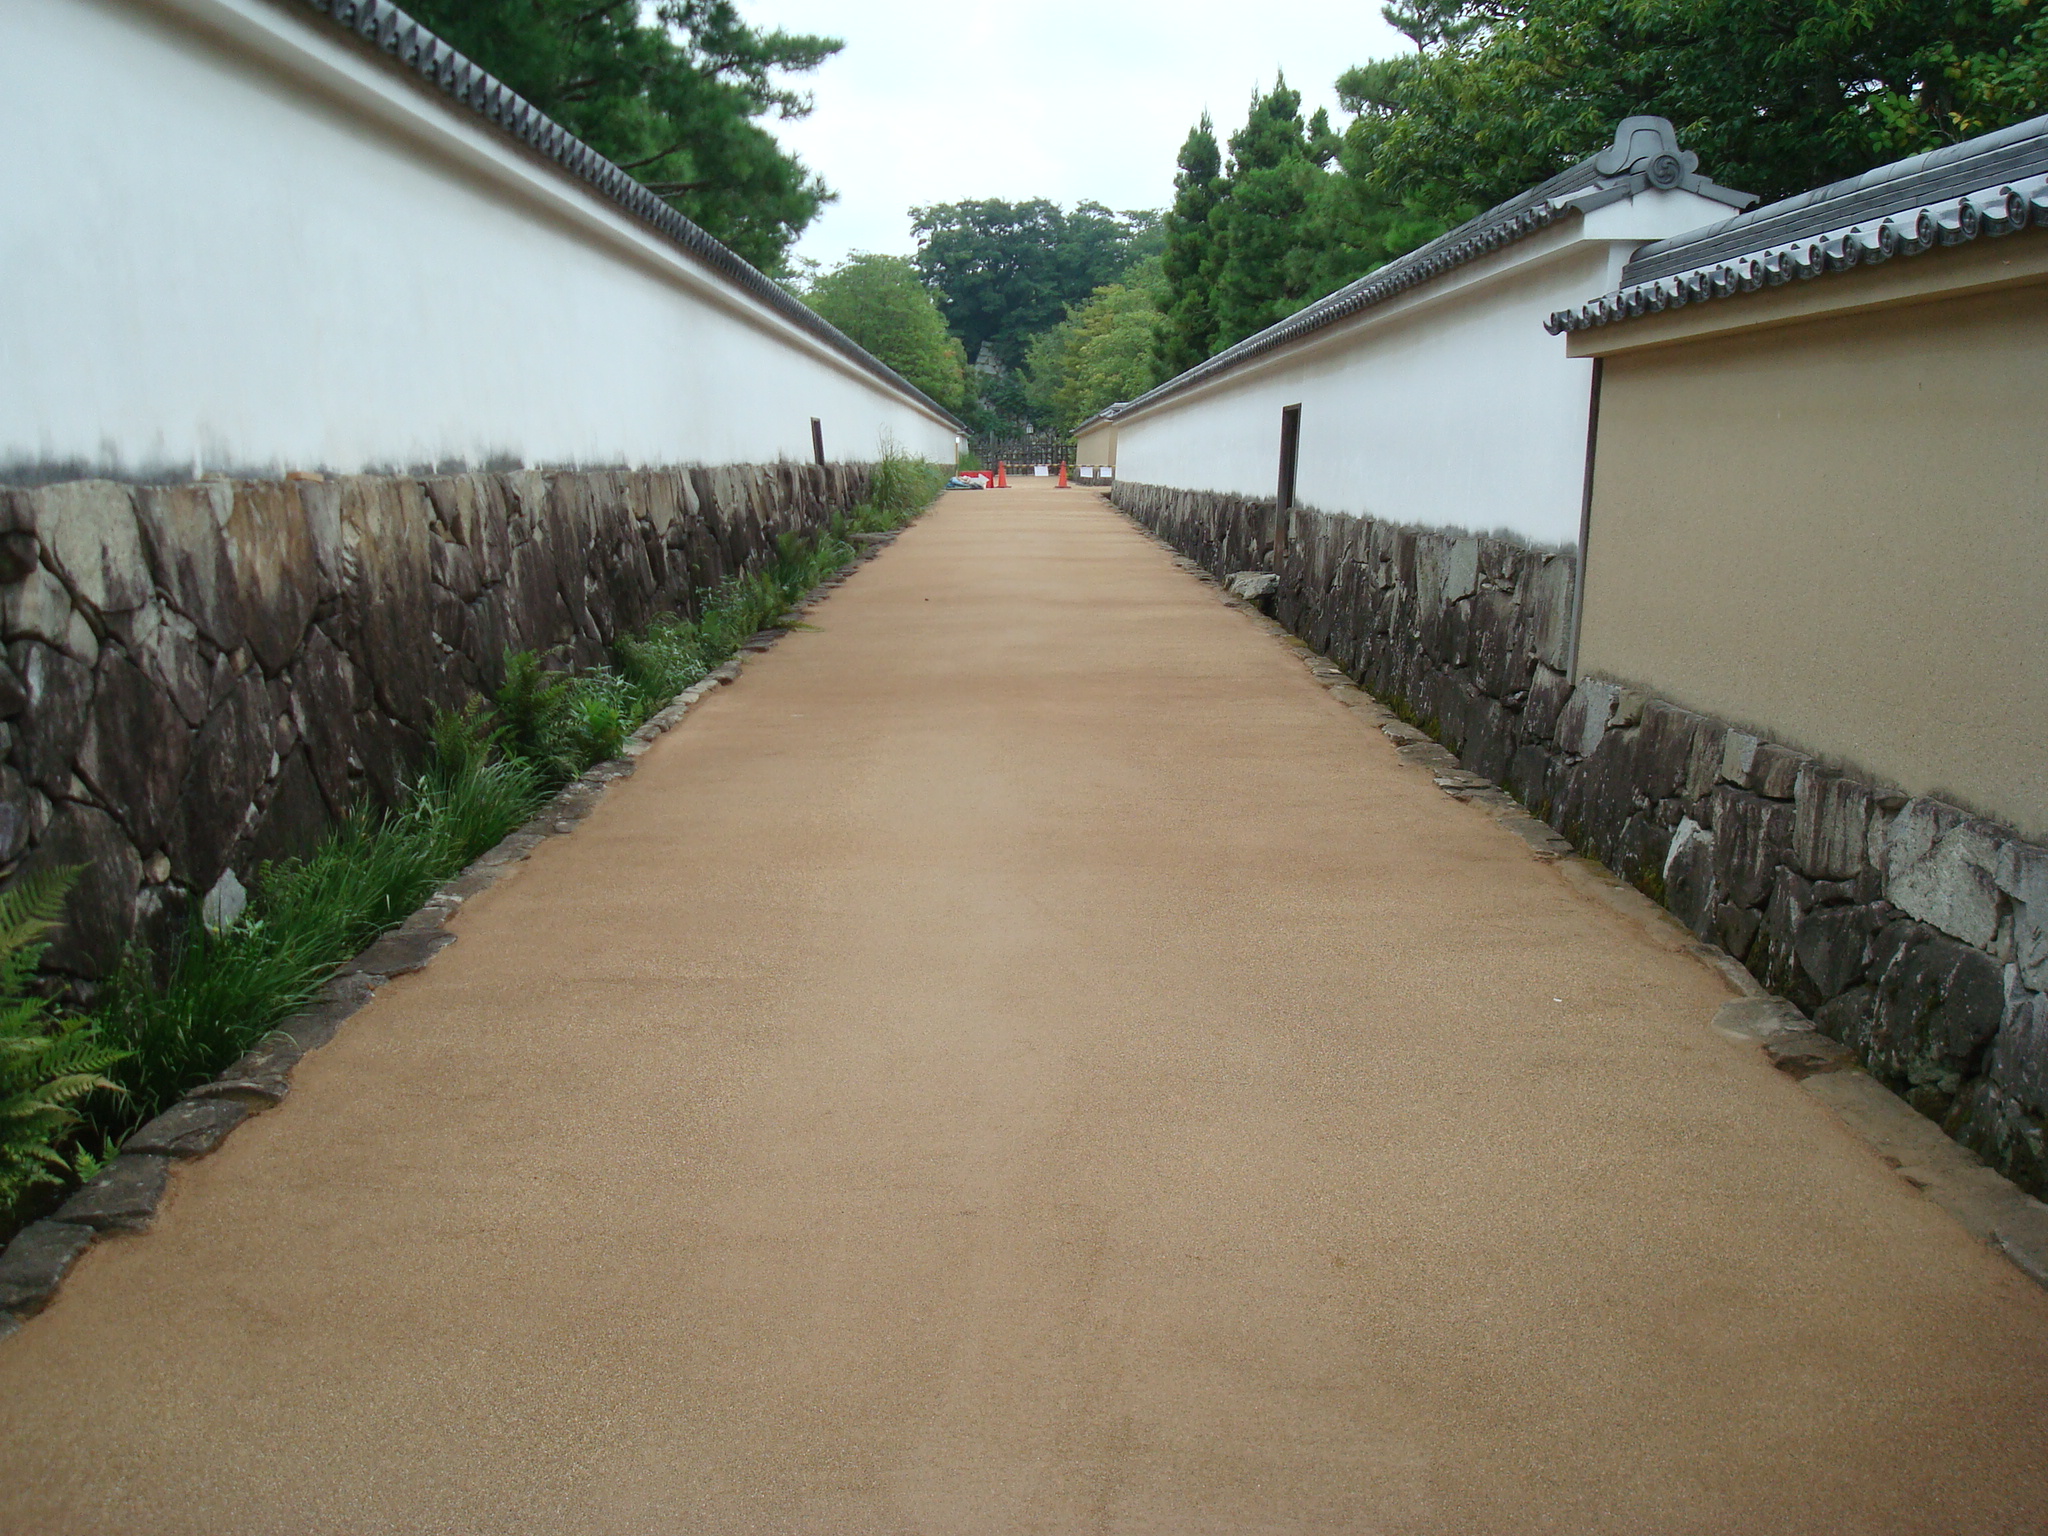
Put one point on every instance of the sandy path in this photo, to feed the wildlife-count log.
(1028, 1060)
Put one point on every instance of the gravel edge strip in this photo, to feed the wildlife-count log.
(123, 1197)
(1986, 1204)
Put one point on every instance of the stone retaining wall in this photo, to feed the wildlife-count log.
(199, 677)
(1909, 930)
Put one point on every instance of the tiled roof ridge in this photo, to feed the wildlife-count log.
(1645, 154)
(391, 31)
(1988, 186)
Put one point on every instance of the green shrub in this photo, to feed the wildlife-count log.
(595, 726)
(48, 1062)
(178, 1022)
(902, 484)
(530, 705)
(663, 660)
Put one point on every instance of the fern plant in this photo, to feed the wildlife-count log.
(47, 1062)
(529, 706)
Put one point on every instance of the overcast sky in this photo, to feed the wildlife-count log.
(932, 102)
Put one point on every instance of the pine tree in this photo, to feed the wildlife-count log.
(1189, 327)
(1267, 269)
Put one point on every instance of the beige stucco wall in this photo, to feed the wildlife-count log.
(1834, 531)
(1097, 445)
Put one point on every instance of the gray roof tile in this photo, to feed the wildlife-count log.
(1987, 186)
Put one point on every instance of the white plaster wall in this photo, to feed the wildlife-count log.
(231, 240)
(1448, 405)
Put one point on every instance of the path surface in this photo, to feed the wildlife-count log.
(1028, 1060)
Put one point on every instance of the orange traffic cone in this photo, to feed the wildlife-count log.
(1002, 477)
(1063, 475)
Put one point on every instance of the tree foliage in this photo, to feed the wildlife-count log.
(1284, 223)
(671, 93)
(1106, 350)
(1188, 266)
(1776, 95)
(880, 303)
(1004, 272)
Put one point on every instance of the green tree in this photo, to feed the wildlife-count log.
(1004, 272)
(881, 304)
(1776, 95)
(1187, 330)
(1106, 350)
(672, 94)
(1268, 267)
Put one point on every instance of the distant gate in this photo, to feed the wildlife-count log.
(1043, 448)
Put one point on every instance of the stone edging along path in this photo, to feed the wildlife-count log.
(1988, 1205)
(123, 1197)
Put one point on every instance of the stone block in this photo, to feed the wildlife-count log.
(1774, 770)
(1502, 660)
(60, 694)
(1773, 958)
(294, 819)
(2021, 872)
(189, 1128)
(136, 748)
(19, 554)
(1752, 837)
(1935, 1005)
(386, 523)
(100, 912)
(255, 1092)
(325, 697)
(1547, 595)
(39, 608)
(1831, 824)
(1941, 867)
(1640, 852)
(398, 953)
(122, 1196)
(1460, 567)
(1585, 716)
(167, 646)
(229, 762)
(2019, 1059)
(1833, 945)
(14, 815)
(1847, 1017)
(1802, 1053)
(1688, 875)
(1735, 928)
(1738, 751)
(1549, 691)
(1664, 756)
(2014, 1139)
(1529, 779)
(340, 1000)
(184, 530)
(89, 537)
(223, 905)
(36, 1262)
